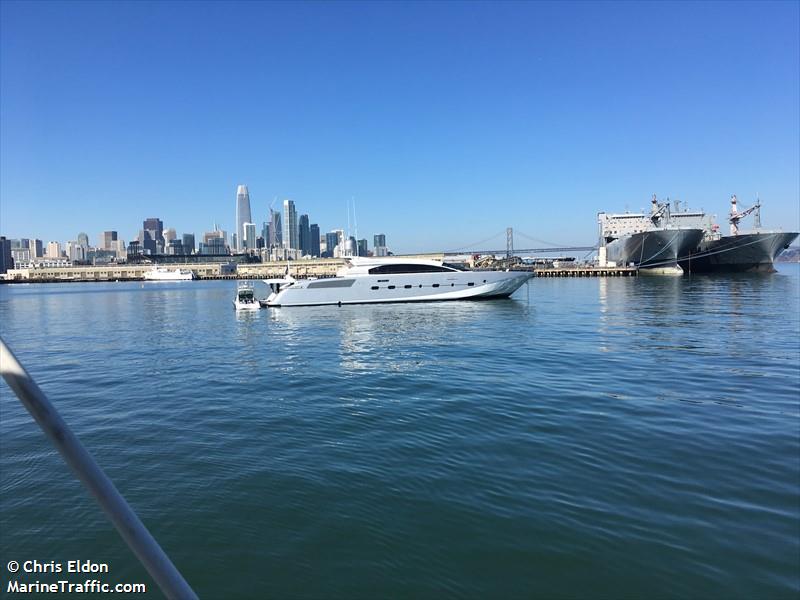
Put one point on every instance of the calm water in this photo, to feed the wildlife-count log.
(620, 437)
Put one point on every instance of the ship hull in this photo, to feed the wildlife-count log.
(657, 251)
(749, 252)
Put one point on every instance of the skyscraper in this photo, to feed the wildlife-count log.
(380, 245)
(36, 248)
(83, 241)
(107, 239)
(275, 236)
(188, 243)
(290, 226)
(53, 250)
(155, 228)
(249, 236)
(6, 262)
(362, 247)
(242, 214)
(314, 240)
(331, 241)
(304, 236)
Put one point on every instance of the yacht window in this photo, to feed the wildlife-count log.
(452, 284)
(408, 268)
(331, 283)
(391, 287)
(383, 280)
(435, 285)
(375, 287)
(407, 286)
(470, 283)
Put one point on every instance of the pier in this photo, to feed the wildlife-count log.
(580, 271)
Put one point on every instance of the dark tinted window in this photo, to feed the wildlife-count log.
(470, 283)
(375, 287)
(391, 287)
(435, 285)
(408, 287)
(410, 268)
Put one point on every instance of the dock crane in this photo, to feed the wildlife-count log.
(737, 216)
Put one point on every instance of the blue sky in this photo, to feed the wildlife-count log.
(447, 122)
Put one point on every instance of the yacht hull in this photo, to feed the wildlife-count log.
(410, 287)
(748, 252)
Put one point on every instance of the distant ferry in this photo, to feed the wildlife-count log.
(374, 280)
(166, 274)
(749, 251)
(651, 242)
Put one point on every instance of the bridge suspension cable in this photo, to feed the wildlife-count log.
(475, 244)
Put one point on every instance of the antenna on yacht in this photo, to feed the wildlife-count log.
(355, 223)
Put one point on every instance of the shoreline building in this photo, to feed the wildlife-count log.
(315, 240)
(242, 215)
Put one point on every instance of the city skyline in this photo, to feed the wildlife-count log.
(478, 116)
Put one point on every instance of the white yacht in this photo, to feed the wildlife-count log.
(245, 297)
(372, 280)
(167, 274)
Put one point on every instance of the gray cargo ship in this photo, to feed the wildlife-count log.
(749, 251)
(651, 242)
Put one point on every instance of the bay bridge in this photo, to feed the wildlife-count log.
(509, 250)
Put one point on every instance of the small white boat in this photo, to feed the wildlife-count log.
(245, 297)
(166, 274)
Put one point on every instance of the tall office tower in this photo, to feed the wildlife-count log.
(155, 228)
(36, 248)
(380, 245)
(350, 247)
(16, 244)
(362, 247)
(275, 236)
(134, 248)
(290, 226)
(331, 241)
(248, 236)
(169, 235)
(107, 239)
(265, 231)
(234, 241)
(53, 250)
(6, 262)
(242, 214)
(20, 255)
(83, 240)
(75, 252)
(303, 235)
(175, 247)
(314, 229)
(188, 243)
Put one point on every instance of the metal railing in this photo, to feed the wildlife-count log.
(127, 522)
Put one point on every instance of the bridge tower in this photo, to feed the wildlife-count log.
(509, 242)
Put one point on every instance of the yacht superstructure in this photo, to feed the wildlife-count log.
(167, 274)
(374, 280)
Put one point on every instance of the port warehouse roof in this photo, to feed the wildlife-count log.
(315, 267)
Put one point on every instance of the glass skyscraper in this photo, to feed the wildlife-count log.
(290, 241)
(314, 240)
(242, 214)
(304, 235)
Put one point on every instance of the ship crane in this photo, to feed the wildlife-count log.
(657, 211)
(737, 216)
